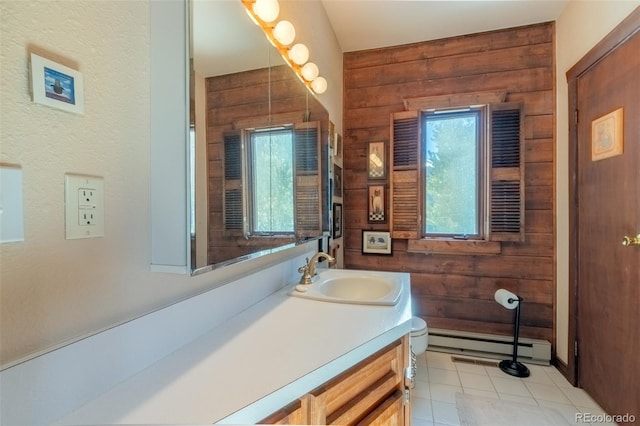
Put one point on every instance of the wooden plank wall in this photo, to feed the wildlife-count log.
(249, 99)
(456, 291)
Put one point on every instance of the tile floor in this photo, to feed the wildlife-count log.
(438, 379)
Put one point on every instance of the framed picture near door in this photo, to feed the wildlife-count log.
(607, 135)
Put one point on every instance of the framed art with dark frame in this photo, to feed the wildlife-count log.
(376, 242)
(337, 220)
(376, 202)
(337, 181)
(55, 85)
(376, 160)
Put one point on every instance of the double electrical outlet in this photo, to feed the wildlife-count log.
(84, 206)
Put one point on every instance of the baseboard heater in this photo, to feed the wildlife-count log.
(534, 351)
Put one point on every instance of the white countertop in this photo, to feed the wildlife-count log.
(252, 365)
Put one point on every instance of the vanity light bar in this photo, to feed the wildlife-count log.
(281, 35)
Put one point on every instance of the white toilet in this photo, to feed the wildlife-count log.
(419, 335)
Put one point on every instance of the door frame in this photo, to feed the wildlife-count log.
(625, 30)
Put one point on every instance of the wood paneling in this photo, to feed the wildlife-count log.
(455, 291)
(253, 98)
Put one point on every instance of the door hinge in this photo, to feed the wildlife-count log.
(575, 117)
(575, 348)
(407, 396)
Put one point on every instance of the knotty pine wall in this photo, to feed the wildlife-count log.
(456, 291)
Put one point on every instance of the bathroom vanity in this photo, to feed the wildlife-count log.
(284, 360)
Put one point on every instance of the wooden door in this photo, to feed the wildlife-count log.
(608, 208)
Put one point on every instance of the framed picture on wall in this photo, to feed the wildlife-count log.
(376, 242)
(337, 220)
(377, 212)
(376, 160)
(55, 85)
(337, 181)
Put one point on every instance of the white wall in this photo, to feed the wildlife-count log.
(53, 290)
(579, 28)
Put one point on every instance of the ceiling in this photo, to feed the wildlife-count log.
(368, 24)
(358, 25)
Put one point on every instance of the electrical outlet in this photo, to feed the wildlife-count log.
(86, 197)
(86, 217)
(84, 206)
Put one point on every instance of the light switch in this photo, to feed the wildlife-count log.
(84, 206)
(11, 205)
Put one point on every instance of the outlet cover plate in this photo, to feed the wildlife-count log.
(78, 209)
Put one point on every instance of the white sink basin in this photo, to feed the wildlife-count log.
(355, 287)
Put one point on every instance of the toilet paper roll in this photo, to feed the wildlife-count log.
(506, 298)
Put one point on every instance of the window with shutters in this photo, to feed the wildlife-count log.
(272, 182)
(457, 177)
(271, 205)
(452, 148)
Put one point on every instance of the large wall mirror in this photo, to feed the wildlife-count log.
(259, 143)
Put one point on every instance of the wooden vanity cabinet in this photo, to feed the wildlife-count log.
(370, 393)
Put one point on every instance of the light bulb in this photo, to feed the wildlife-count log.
(310, 71)
(319, 85)
(267, 10)
(284, 32)
(299, 54)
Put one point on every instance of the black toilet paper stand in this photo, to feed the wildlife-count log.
(512, 366)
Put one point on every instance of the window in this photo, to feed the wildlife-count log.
(452, 148)
(271, 159)
(457, 174)
(271, 182)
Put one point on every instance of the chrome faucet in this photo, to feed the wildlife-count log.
(308, 271)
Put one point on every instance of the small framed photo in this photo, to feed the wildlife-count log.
(375, 242)
(607, 135)
(377, 212)
(337, 181)
(337, 152)
(376, 160)
(56, 86)
(337, 221)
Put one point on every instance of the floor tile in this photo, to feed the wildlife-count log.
(580, 398)
(440, 360)
(416, 421)
(421, 408)
(439, 379)
(476, 381)
(444, 377)
(471, 368)
(444, 393)
(496, 372)
(517, 398)
(557, 378)
(445, 413)
(514, 387)
(539, 377)
(568, 411)
(421, 389)
(480, 392)
(547, 393)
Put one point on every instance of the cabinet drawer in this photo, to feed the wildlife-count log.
(351, 396)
